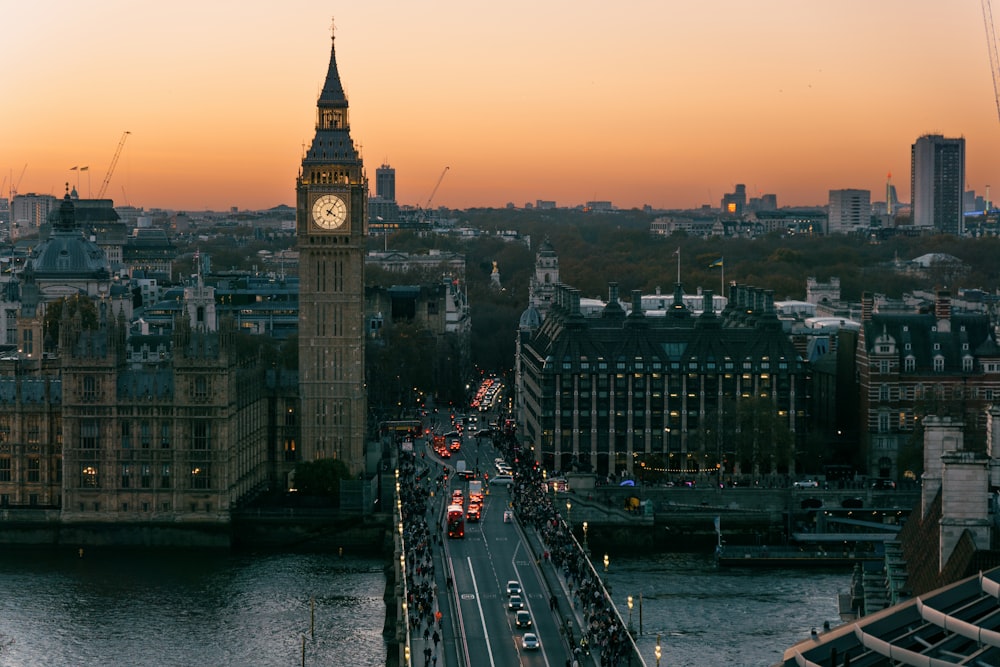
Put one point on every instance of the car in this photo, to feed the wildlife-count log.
(530, 641)
(523, 619)
(513, 587)
(883, 485)
(514, 603)
(806, 484)
(502, 480)
(508, 516)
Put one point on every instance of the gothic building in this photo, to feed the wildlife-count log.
(331, 225)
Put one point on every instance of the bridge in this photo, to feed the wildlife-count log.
(453, 606)
(452, 599)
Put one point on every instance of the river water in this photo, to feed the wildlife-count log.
(155, 608)
(161, 608)
(722, 616)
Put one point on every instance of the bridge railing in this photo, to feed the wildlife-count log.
(606, 593)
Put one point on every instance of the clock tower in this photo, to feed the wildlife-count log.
(331, 220)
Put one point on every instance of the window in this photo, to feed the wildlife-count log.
(938, 363)
(89, 432)
(126, 475)
(165, 477)
(5, 469)
(34, 470)
(126, 428)
(88, 476)
(145, 476)
(89, 388)
(883, 422)
(201, 435)
(165, 434)
(4, 428)
(909, 364)
(200, 478)
(200, 390)
(883, 392)
(145, 435)
(967, 364)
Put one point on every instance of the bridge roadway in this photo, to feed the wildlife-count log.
(479, 629)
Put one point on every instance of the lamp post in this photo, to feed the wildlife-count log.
(657, 652)
(586, 547)
(607, 561)
(569, 506)
(630, 613)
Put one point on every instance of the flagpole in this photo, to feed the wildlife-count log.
(722, 285)
(678, 265)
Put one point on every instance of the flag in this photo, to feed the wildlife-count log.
(84, 168)
(73, 168)
(716, 263)
(677, 252)
(718, 528)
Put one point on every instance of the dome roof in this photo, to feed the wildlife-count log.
(531, 318)
(67, 253)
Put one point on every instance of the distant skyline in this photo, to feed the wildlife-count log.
(669, 104)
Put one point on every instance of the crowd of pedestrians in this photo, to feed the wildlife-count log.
(603, 631)
(419, 538)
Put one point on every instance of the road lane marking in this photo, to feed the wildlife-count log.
(482, 616)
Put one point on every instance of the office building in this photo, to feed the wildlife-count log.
(937, 183)
(850, 211)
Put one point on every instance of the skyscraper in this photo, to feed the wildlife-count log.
(850, 210)
(937, 183)
(385, 183)
(331, 225)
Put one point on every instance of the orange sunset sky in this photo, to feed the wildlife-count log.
(662, 102)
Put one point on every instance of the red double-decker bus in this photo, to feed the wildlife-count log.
(456, 522)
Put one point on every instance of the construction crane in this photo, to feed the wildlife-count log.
(991, 48)
(436, 186)
(14, 185)
(111, 167)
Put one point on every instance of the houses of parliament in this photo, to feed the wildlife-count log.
(106, 423)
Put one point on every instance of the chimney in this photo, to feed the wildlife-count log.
(941, 435)
(942, 305)
(867, 306)
(612, 292)
(636, 302)
(965, 501)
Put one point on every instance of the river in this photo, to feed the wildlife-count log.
(155, 608)
(739, 617)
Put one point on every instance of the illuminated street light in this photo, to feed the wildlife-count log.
(630, 613)
(585, 547)
(607, 561)
(657, 652)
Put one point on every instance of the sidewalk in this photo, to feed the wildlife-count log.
(572, 621)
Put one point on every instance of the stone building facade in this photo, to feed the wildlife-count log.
(621, 393)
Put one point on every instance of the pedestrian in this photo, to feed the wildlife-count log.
(436, 638)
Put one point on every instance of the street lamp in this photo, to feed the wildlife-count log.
(569, 506)
(585, 547)
(657, 652)
(607, 561)
(630, 613)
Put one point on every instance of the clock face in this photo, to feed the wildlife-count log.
(329, 212)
